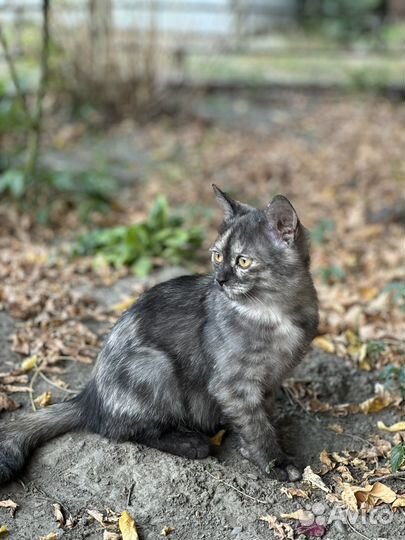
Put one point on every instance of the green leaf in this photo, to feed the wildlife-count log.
(143, 266)
(13, 182)
(397, 457)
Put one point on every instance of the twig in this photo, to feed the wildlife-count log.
(345, 434)
(31, 386)
(236, 489)
(400, 474)
(356, 531)
(36, 124)
(14, 76)
(54, 384)
(131, 489)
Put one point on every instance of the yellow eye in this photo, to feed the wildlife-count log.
(244, 262)
(217, 257)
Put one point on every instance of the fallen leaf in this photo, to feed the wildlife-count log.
(8, 404)
(44, 399)
(166, 531)
(29, 363)
(300, 515)
(294, 492)
(325, 459)
(399, 426)
(397, 456)
(3, 530)
(127, 527)
(217, 439)
(109, 535)
(50, 536)
(314, 480)
(337, 428)
(58, 513)
(281, 530)
(378, 402)
(8, 503)
(125, 304)
(366, 498)
(324, 344)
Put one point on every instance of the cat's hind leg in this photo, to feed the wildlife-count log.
(188, 444)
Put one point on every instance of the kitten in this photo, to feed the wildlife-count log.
(198, 352)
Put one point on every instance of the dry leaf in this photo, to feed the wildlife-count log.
(399, 426)
(3, 530)
(377, 403)
(44, 399)
(324, 344)
(325, 459)
(50, 536)
(110, 535)
(8, 503)
(127, 527)
(29, 363)
(98, 516)
(300, 515)
(314, 480)
(125, 304)
(166, 531)
(57, 512)
(281, 530)
(8, 404)
(217, 439)
(294, 492)
(337, 428)
(366, 498)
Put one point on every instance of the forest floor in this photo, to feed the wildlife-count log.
(341, 163)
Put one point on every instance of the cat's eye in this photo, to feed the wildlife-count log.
(218, 257)
(244, 262)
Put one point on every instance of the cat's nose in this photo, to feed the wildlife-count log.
(221, 280)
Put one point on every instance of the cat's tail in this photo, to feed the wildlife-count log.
(18, 439)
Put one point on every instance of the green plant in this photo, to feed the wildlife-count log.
(398, 290)
(397, 456)
(86, 191)
(394, 378)
(332, 274)
(161, 236)
(321, 233)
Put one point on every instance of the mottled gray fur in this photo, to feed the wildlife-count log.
(198, 352)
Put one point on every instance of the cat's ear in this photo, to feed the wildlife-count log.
(230, 206)
(283, 219)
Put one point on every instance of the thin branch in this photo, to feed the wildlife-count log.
(400, 475)
(237, 490)
(49, 381)
(14, 76)
(356, 531)
(36, 131)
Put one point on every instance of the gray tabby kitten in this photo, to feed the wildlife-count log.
(198, 352)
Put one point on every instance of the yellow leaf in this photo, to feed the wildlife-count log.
(377, 403)
(217, 439)
(3, 530)
(349, 498)
(399, 502)
(29, 363)
(325, 344)
(50, 536)
(44, 399)
(399, 426)
(124, 304)
(368, 293)
(367, 497)
(127, 527)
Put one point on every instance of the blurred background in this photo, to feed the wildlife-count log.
(116, 116)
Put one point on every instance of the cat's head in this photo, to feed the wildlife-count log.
(258, 251)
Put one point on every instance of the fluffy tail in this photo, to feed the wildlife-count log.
(18, 439)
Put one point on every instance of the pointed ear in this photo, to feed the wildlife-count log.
(230, 206)
(283, 219)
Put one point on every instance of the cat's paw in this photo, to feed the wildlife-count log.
(283, 469)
